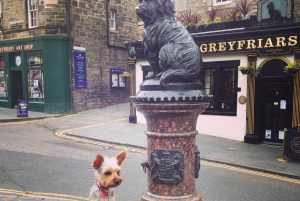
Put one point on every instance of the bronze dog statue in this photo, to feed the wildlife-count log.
(172, 53)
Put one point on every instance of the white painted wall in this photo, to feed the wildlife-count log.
(231, 127)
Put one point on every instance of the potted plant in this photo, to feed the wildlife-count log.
(125, 74)
(292, 68)
(247, 70)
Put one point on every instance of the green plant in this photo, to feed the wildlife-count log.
(239, 16)
(218, 19)
(291, 68)
(125, 74)
(223, 14)
(234, 12)
(71, 112)
(247, 70)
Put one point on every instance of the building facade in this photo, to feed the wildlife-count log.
(254, 99)
(65, 55)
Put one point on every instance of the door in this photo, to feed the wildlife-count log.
(17, 87)
(277, 112)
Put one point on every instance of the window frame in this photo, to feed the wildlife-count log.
(37, 69)
(218, 66)
(215, 3)
(32, 9)
(113, 26)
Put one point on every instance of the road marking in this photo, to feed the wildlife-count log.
(52, 196)
(64, 134)
(248, 171)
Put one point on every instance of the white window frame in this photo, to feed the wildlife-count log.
(32, 13)
(215, 3)
(112, 19)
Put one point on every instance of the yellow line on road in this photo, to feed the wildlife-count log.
(53, 196)
(253, 172)
(64, 134)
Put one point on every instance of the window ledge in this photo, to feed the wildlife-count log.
(114, 31)
(219, 113)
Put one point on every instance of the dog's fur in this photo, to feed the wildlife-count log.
(169, 48)
(107, 172)
(273, 12)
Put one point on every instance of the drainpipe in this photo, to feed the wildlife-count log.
(107, 29)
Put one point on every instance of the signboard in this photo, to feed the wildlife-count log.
(292, 145)
(116, 80)
(80, 69)
(22, 109)
(264, 45)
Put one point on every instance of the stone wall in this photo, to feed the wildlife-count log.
(89, 31)
(51, 19)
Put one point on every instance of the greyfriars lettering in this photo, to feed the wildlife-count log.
(172, 53)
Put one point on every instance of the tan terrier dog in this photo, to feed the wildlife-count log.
(107, 177)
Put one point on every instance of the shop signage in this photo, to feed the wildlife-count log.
(15, 48)
(22, 110)
(80, 69)
(263, 45)
(292, 145)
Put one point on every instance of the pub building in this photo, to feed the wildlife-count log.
(253, 106)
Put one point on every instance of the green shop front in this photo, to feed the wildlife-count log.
(36, 69)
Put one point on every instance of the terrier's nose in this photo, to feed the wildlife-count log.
(117, 181)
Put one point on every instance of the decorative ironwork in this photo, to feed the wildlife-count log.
(197, 162)
(166, 167)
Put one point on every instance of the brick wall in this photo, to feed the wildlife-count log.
(89, 31)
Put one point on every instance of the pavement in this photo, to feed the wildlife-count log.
(259, 157)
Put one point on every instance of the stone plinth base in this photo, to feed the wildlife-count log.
(196, 196)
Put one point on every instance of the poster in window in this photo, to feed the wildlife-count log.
(268, 134)
(116, 78)
(80, 69)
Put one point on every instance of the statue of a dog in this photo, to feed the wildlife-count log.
(172, 53)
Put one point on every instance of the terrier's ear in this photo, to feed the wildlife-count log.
(121, 157)
(99, 160)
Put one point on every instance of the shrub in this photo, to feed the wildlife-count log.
(188, 17)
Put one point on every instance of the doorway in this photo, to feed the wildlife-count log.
(273, 102)
(17, 87)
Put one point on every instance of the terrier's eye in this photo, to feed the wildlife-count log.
(118, 172)
(107, 173)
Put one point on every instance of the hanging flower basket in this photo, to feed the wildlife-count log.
(292, 68)
(125, 74)
(247, 70)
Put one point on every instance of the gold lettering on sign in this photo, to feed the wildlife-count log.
(231, 44)
(19, 47)
(251, 44)
(269, 43)
(292, 40)
(259, 43)
(241, 43)
(28, 47)
(203, 48)
(212, 47)
(222, 46)
(280, 42)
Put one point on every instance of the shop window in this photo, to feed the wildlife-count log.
(35, 76)
(36, 84)
(3, 84)
(220, 80)
(112, 19)
(34, 59)
(32, 13)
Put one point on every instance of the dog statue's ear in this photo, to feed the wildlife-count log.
(121, 157)
(99, 160)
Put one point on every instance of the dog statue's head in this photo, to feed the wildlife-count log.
(151, 10)
(271, 6)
